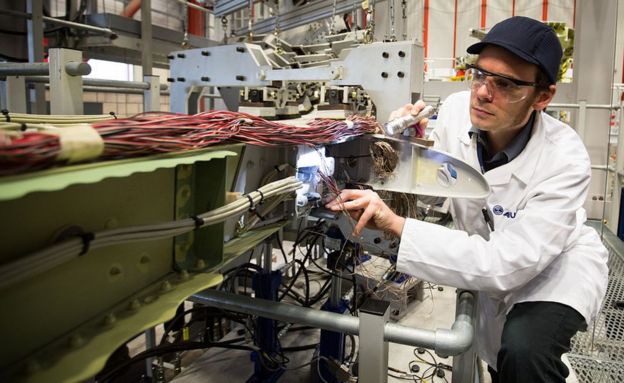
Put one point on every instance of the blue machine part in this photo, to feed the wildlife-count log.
(266, 286)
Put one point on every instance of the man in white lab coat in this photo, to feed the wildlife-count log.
(540, 272)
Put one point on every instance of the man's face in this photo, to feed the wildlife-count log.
(489, 111)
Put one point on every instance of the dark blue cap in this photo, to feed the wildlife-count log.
(527, 38)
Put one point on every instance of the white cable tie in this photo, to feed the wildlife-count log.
(79, 142)
(349, 123)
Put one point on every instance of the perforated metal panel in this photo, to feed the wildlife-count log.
(598, 354)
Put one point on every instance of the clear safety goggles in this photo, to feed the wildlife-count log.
(499, 86)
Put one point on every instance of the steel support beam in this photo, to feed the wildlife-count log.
(35, 50)
(445, 342)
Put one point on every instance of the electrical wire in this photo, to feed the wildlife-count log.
(54, 255)
(157, 132)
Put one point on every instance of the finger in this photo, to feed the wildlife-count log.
(417, 107)
(344, 196)
(369, 212)
(403, 111)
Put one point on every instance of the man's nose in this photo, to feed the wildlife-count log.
(483, 91)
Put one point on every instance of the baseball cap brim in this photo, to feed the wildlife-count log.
(478, 47)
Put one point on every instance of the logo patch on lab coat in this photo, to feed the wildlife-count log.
(499, 210)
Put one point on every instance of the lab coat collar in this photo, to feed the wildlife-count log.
(523, 166)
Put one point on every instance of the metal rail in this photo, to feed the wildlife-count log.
(142, 85)
(35, 69)
(445, 342)
(64, 23)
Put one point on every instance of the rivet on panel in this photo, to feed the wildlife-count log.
(109, 319)
(165, 286)
(144, 259)
(115, 270)
(75, 341)
(184, 275)
(111, 223)
(149, 299)
(200, 264)
(134, 305)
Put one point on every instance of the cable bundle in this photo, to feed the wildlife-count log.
(69, 249)
(27, 146)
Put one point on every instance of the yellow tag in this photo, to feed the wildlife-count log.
(79, 142)
(185, 334)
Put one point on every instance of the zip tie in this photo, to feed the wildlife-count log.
(261, 197)
(86, 241)
(23, 127)
(252, 207)
(199, 222)
(5, 112)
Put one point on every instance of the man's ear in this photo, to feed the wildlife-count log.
(544, 97)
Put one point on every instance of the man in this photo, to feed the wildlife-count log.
(540, 272)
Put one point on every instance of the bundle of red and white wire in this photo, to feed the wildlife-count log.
(26, 147)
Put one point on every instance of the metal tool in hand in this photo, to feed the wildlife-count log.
(397, 126)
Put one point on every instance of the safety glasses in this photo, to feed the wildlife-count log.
(499, 86)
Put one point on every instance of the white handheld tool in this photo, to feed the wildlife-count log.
(397, 126)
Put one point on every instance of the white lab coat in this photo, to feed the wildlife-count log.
(540, 249)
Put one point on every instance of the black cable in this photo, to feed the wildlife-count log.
(154, 352)
(300, 348)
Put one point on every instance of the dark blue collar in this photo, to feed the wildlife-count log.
(489, 161)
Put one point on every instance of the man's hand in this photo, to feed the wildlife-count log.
(412, 109)
(368, 210)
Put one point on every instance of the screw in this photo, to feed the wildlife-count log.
(240, 49)
(170, 57)
(385, 55)
(384, 74)
(181, 55)
(401, 54)
(240, 77)
(205, 53)
(181, 79)
(170, 79)
(401, 74)
(205, 78)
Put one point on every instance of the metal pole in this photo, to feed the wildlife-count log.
(151, 96)
(150, 342)
(587, 106)
(373, 366)
(445, 342)
(139, 85)
(40, 19)
(13, 94)
(35, 50)
(65, 89)
(84, 27)
(72, 68)
(24, 69)
(146, 37)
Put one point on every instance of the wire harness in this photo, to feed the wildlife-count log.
(28, 144)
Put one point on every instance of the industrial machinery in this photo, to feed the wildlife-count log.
(100, 252)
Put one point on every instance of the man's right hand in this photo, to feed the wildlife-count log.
(412, 109)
